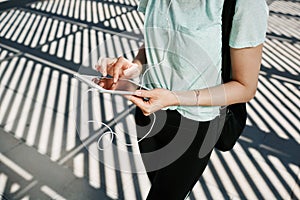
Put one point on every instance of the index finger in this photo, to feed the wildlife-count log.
(103, 63)
(118, 67)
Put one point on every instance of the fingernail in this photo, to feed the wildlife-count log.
(138, 93)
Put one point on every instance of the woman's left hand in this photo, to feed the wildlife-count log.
(156, 99)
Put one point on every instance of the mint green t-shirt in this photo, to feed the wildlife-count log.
(183, 44)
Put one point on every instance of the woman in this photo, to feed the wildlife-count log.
(181, 64)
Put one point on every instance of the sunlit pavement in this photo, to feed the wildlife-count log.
(49, 152)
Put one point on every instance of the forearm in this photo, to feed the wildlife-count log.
(140, 58)
(221, 95)
(245, 69)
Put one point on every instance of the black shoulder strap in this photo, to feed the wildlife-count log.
(227, 17)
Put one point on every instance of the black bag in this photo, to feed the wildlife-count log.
(236, 114)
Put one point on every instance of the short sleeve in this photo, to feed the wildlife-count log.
(249, 24)
(142, 6)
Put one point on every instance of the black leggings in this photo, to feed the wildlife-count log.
(171, 153)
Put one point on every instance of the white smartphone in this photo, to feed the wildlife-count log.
(106, 85)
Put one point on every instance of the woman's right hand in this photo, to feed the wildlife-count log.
(117, 68)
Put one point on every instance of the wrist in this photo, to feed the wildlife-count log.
(175, 99)
(138, 63)
(186, 98)
(133, 71)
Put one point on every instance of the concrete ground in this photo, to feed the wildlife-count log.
(48, 150)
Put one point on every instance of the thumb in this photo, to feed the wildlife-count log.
(142, 93)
